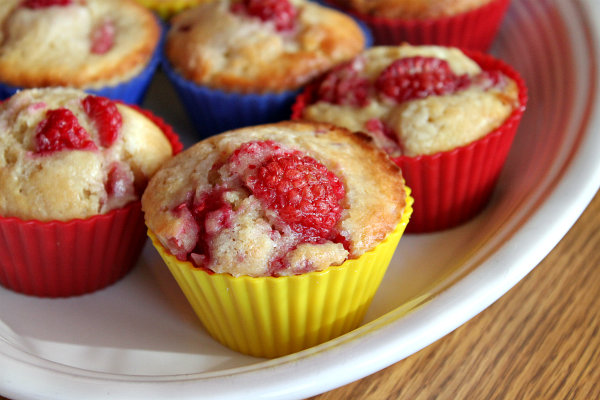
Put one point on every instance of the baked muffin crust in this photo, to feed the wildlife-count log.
(72, 183)
(372, 205)
(426, 125)
(216, 47)
(86, 44)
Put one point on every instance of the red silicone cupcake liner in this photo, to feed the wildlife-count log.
(68, 258)
(473, 29)
(59, 259)
(452, 187)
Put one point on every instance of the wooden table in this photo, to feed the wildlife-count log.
(541, 340)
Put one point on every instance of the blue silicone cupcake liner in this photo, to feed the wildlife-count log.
(134, 90)
(130, 92)
(213, 111)
(7, 91)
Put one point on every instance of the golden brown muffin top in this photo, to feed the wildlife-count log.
(83, 44)
(426, 125)
(59, 160)
(220, 45)
(242, 233)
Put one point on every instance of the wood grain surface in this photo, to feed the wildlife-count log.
(541, 340)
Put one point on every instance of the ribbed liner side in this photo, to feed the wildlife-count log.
(60, 259)
(213, 111)
(474, 29)
(451, 187)
(274, 316)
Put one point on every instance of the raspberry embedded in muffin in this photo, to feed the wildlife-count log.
(418, 77)
(35, 4)
(305, 195)
(103, 37)
(259, 46)
(281, 12)
(343, 85)
(65, 154)
(300, 198)
(106, 117)
(414, 100)
(404, 79)
(60, 130)
(274, 200)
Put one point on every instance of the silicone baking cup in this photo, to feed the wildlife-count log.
(68, 258)
(213, 111)
(167, 8)
(275, 316)
(452, 187)
(473, 29)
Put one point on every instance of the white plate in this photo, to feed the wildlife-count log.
(140, 339)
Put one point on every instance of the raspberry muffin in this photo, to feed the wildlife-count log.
(106, 47)
(239, 63)
(423, 105)
(72, 169)
(469, 24)
(281, 211)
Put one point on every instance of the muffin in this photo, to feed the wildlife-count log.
(469, 24)
(106, 47)
(446, 117)
(278, 234)
(72, 169)
(241, 63)
(167, 8)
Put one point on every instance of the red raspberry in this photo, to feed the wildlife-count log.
(490, 79)
(305, 194)
(418, 77)
(103, 38)
(212, 213)
(120, 181)
(202, 218)
(384, 136)
(281, 12)
(61, 130)
(344, 86)
(34, 4)
(106, 117)
(185, 238)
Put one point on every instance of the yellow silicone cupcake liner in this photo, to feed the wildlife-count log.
(167, 8)
(275, 316)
